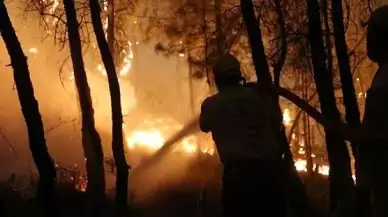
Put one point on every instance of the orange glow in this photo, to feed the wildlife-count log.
(301, 166)
(286, 117)
(152, 134)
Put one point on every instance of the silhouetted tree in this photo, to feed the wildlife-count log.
(341, 183)
(117, 118)
(30, 109)
(352, 112)
(298, 196)
(117, 17)
(91, 140)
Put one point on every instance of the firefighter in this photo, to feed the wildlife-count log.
(375, 151)
(239, 118)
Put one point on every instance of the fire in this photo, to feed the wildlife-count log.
(105, 22)
(127, 60)
(101, 69)
(52, 6)
(153, 139)
(33, 50)
(55, 4)
(286, 117)
(301, 166)
(152, 134)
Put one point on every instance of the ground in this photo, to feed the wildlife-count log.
(184, 198)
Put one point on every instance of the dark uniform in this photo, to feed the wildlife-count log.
(239, 118)
(375, 151)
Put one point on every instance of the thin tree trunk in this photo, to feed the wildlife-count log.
(295, 187)
(325, 9)
(91, 140)
(341, 183)
(352, 115)
(117, 118)
(30, 109)
(256, 42)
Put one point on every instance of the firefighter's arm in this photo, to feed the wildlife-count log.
(204, 124)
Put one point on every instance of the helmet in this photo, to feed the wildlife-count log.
(377, 34)
(227, 67)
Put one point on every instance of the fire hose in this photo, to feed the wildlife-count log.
(192, 126)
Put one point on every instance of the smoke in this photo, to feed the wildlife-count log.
(163, 167)
(155, 87)
(168, 172)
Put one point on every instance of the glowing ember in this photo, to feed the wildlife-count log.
(286, 117)
(33, 50)
(301, 165)
(101, 69)
(71, 76)
(324, 170)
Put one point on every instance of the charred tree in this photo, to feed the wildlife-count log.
(91, 140)
(341, 182)
(30, 109)
(117, 117)
(295, 186)
(352, 112)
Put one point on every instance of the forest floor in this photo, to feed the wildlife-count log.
(174, 201)
(195, 194)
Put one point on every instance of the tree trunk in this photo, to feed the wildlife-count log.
(30, 109)
(295, 186)
(352, 115)
(256, 42)
(117, 118)
(341, 183)
(328, 34)
(90, 138)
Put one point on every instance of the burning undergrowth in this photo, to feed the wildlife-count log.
(188, 161)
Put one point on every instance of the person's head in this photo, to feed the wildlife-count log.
(227, 71)
(377, 35)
